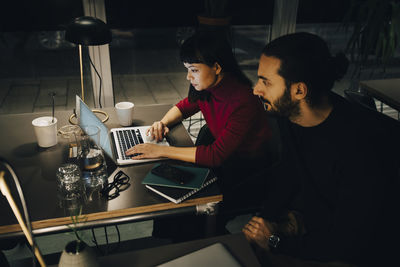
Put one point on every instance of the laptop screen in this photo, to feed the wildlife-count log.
(88, 118)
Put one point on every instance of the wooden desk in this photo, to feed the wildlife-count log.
(387, 91)
(36, 168)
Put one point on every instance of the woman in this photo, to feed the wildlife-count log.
(220, 90)
(235, 119)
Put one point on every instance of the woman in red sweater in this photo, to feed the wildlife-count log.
(236, 120)
(221, 91)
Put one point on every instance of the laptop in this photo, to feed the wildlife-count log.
(115, 141)
(214, 255)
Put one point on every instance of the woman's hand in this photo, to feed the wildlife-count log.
(258, 230)
(157, 131)
(145, 151)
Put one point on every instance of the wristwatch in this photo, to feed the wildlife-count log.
(273, 241)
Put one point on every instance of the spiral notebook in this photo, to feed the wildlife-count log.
(177, 195)
(198, 176)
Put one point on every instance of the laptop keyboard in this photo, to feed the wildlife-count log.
(128, 139)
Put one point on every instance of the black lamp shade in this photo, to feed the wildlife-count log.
(88, 31)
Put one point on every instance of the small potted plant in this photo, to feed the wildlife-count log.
(77, 252)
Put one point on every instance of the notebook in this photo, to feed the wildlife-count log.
(214, 255)
(198, 176)
(115, 141)
(177, 195)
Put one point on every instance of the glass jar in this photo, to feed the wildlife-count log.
(72, 135)
(92, 162)
(70, 187)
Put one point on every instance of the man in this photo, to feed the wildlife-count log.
(332, 195)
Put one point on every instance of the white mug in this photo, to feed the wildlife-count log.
(45, 130)
(125, 113)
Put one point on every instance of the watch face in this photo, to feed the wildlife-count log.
(273, 241)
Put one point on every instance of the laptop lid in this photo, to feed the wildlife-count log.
(86, 118)
(110, 142)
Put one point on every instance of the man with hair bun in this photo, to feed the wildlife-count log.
(332, 196)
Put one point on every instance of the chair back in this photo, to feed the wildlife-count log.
(360, 98)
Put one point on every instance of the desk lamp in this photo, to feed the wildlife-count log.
(87, 31)
(27, 230)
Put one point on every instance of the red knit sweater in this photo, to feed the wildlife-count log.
(236, 119)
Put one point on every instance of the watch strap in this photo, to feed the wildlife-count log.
(273, 241)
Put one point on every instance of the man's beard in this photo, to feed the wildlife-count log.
(284, 106)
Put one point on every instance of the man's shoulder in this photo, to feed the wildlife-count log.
(366, 124)
(356, 115)
(362, 114)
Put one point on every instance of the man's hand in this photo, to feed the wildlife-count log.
(258, 230)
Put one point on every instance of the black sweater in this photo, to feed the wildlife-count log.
(340, 175)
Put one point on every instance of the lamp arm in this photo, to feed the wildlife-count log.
(6, 192)
(81, 70)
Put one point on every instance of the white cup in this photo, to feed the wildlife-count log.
(45, 131)
(125, 113)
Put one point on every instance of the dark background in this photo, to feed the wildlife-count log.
(29, 15)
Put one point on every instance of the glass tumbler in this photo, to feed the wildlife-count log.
(72, 135)
(71, 189)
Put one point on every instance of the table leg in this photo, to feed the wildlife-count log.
(210, 210)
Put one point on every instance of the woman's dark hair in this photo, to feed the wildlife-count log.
(305, 57)
(210, 48)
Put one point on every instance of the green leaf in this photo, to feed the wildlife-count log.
(76, 219)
